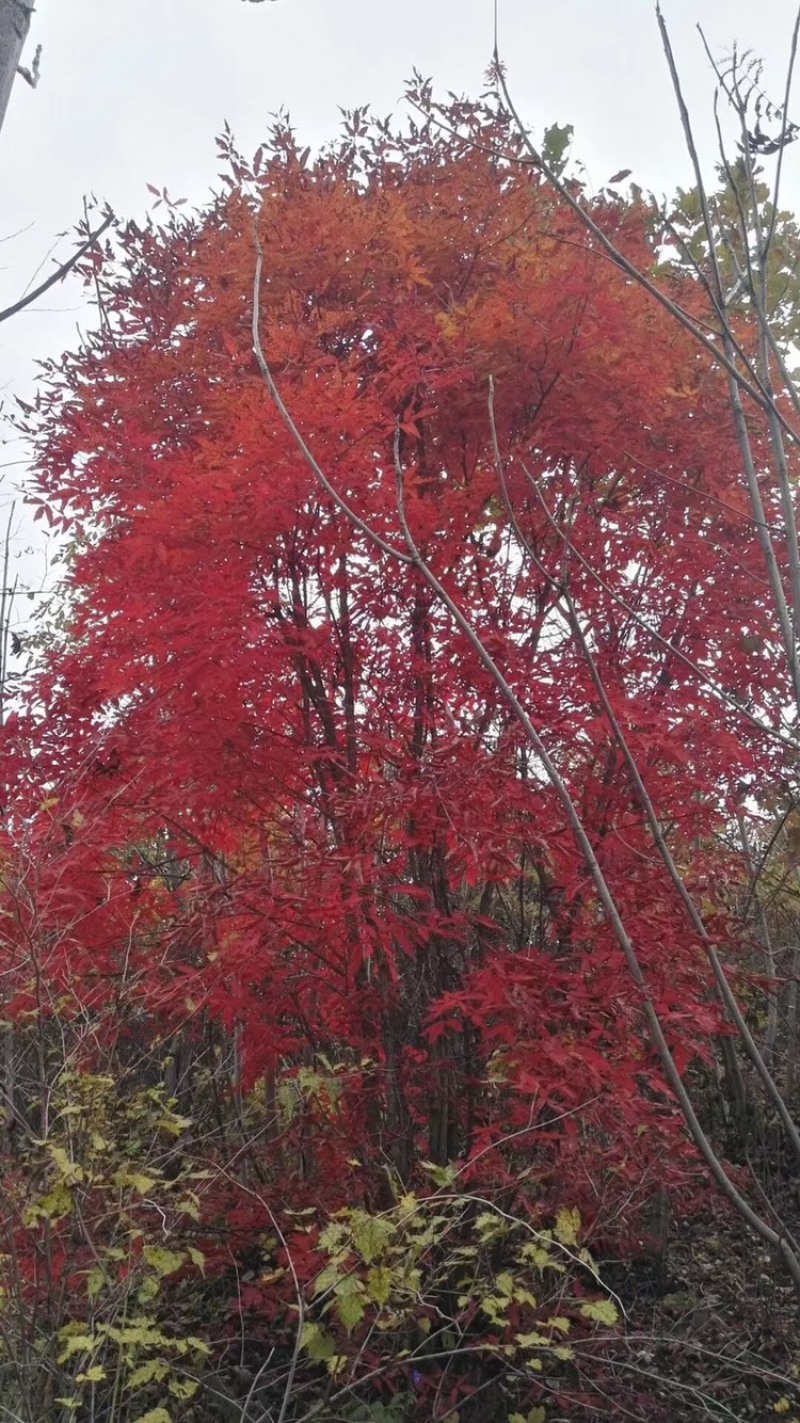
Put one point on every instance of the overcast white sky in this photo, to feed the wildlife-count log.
(134, 91)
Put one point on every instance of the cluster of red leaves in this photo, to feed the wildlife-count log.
(282, 793)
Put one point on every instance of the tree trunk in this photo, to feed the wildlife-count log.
(15, 19)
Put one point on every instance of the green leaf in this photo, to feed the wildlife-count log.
(334, 1237)
(327, 1278)
(371, 1234)
(555, 146)
(155, 1415)
(163, 1261)
(349, 1302)
(148, 1290)
(440, 1175)
(316, 1342)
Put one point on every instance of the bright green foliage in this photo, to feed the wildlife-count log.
(556, 145)
(742, 219)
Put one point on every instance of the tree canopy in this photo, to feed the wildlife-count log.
(269, 811)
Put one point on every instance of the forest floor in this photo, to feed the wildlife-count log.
(712, 1331)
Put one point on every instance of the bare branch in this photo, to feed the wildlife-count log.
(60, 273)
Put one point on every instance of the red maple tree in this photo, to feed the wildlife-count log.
(283, 796)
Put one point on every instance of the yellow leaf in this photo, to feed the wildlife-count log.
(92, 1375)
(69, 1170)
(379, 1284)
(95, 1281)
(782, 1406)
(197, 1346)
(602, 1311)
(558, 1322)
(489, 1226)
(183, 1388)
(531, 1341)
(154, 1371)
(173, 1125)
(568, 1223)
(136, 1180)
(540, 1257)
(190, 1206)
(77, 1344)
(197, 1258)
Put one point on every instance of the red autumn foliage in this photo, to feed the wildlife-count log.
(282, 796)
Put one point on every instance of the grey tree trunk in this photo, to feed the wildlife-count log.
(15, 19)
